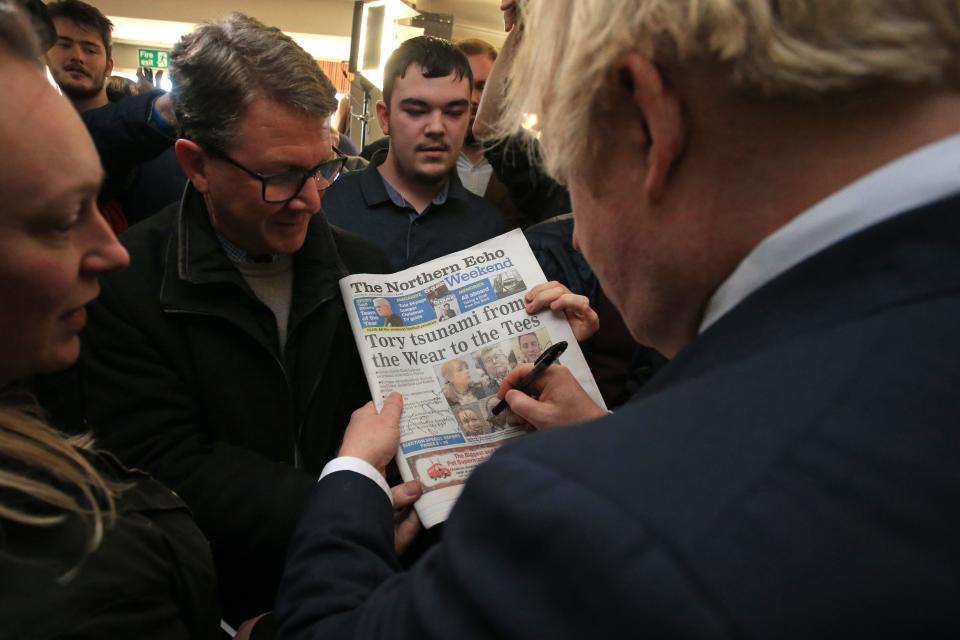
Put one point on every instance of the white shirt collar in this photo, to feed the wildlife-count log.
(925, 175)
(475, 177)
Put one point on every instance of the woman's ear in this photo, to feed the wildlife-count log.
(193, 161)
(662, 114)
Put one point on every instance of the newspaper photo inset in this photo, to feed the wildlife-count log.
(444, 334)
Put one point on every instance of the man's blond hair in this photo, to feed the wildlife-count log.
(785, 49)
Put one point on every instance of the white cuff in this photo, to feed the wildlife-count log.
(357, 465)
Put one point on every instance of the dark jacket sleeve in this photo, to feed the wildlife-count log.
(518, 560)
(532, 191)
(123, 134)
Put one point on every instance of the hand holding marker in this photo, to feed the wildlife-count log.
(547, 358)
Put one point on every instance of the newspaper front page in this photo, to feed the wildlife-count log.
(444, 334)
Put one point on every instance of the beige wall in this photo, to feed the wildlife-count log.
(125, 56)
(472, 18)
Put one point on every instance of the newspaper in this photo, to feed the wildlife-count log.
(444, 334)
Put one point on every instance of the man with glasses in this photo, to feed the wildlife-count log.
(222, 361)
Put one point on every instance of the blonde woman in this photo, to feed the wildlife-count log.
(87, 548)
(459, 387)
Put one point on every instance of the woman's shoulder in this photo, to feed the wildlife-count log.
(151, 552)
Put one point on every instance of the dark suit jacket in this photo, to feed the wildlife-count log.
(793, 473)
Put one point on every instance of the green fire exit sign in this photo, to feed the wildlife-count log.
(153, 58)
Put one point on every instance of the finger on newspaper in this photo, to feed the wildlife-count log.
(583, 320)
(406, 524)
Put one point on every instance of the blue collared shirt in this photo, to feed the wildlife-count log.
(365, 204)
(924, 175)
(400, 201)
(236, 254)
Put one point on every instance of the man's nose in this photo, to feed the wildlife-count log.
(435, 123)
(311, 193)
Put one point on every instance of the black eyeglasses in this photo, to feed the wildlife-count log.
(282, 187)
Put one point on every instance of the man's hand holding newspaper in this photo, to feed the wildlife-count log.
(463, 322)
(374, 437)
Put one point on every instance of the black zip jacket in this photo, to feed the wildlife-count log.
(183, 377)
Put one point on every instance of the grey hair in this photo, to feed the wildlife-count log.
(17, 35)
(223, 65)
(784, 49)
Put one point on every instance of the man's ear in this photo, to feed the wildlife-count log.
(383, 117)
(109, 69)
(663, 114)
(193, 161)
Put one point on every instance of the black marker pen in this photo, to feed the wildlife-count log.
(547, 358)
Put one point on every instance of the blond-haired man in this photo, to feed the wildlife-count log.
(770, 196)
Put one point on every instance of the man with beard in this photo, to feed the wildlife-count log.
(126, 133)
(81, 59)
(412, 204)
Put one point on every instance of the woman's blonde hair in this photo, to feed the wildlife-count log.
(777, 48)
(43, 464)
(36, 460)
(448, 368)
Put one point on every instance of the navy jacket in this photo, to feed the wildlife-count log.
(142, 169)
(793, 473)
(123, 135)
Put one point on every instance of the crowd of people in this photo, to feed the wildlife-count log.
(764, 195)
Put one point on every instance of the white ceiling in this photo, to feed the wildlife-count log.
(323, 18)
